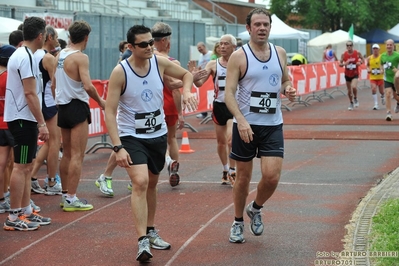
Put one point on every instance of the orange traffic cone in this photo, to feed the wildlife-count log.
(185, 145)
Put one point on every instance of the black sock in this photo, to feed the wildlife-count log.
(150, 228)
(241, 219)
(2, 199)
(33, 179)
(256, 206)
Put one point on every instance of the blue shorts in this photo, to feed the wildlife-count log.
(267, 141)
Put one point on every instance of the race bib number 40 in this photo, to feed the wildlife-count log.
(263, 102)
(148, 122)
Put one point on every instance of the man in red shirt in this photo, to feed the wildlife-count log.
(351, 59)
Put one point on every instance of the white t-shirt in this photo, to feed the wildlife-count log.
(21, 65)
(204, 59)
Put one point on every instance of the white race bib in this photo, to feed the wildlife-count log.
(148, 122)
(263, 102)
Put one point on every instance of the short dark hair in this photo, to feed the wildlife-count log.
(33, 26)
(258, 10)
(135, 30)
(62, 43)
(78, 31)
(15, 37)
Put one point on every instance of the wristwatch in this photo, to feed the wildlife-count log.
(117, 148)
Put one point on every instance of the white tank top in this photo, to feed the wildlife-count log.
(219, 82)
(258, 93)
(140, 110)
(67, 88)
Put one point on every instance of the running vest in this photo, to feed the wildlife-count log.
(374, 65)
(219, 82)
(351, 69)
(47, 95)
(329, 55)
(140, 110)
(258, 93)
(67, 88)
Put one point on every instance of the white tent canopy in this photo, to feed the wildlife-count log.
(338, 40)
(8, 25)
(394, 30)
(279, 30)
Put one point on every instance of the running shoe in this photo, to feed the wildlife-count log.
(35, 208)
(173, 168)
(36, 218)
(237, 233)
(20, 224)
(63, 199)
(35, 187)
(397, 108)
(57, 179)
(232, 178)
(356, 103)
(225, 179)
(350, 108)
(382, 99)
(54, 190)
(389, 117)
(105, 185)
(130, 186)
(144, 253)
(156, 241)
(256, 226)
(77, 205)
(375, 107)
(4, 206)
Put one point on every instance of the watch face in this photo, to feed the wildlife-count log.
(117, 148)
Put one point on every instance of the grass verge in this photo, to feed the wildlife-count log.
(385, 233)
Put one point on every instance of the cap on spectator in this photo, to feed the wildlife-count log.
(6, 51)
(376, 46)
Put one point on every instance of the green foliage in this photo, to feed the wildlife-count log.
(331, 15)
(385, 232)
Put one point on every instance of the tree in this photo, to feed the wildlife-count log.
(331, 15)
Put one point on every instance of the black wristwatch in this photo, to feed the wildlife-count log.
(117, 148)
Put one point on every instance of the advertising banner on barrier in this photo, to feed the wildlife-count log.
(97, 126)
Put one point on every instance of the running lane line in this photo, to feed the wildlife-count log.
(192, 238)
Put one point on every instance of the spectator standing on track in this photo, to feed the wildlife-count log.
(376, 73)
(390, 65)
(26, 123)
(259, 71)
(50, 149)
(216, 51)
(139, 133)
(204, 58)
(221, 116)
(351, 59)
(73, 89)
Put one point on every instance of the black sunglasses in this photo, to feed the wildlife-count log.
(349, 45)
(145, 44)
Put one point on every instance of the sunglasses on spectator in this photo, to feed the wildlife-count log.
(145, 44)
(349, 45)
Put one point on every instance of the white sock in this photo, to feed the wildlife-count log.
(27, 210)
(226, 167)
(168, 160)
(375, 98)
(71, 198)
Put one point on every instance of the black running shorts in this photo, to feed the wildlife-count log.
(267, 141)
